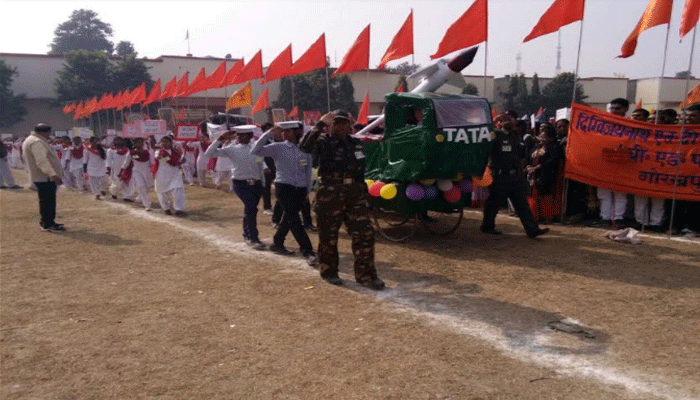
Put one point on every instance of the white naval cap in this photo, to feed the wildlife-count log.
(244, 128)
(289, 124)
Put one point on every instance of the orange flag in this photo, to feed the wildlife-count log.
(215, 78)
(241, 97)
(294, 113)
(198, 83)
(494, 112)
(364, 111)
(692, 97)
(78, 111)
(313, 58)
(68, 108)
(169, 90)
(252, 70)
(280, 66)
(640, 104)
(560, 13)
(182, 85)
(658, 12)
(689, 18)
(262, 103)
(232, 73)
(139, 94)
(470, 29)
(357, 57)
(154, 94)
(402, 44)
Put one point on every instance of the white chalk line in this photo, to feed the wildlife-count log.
(401, 301)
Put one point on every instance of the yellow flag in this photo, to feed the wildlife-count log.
(241, 97)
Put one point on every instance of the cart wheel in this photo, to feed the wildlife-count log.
(392, 226)
(441, 224)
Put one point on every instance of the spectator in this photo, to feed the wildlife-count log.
(613, 204)
(543, 169)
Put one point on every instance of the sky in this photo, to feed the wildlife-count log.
(242, 28)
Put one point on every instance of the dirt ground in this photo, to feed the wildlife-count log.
(134, 305)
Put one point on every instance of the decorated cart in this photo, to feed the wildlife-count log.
(434, 149)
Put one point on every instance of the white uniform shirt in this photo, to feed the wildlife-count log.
(96, 165)
(246, 166)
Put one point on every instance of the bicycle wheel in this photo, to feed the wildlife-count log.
(441, 224)
(392, 226)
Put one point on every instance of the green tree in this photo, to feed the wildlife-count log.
(12, 108)
(84, 75)
(310, 92)
(471, 89)
(405, 68)
(83, 31)
(129, 72)
(557, 93)
(512, 98)
(125, 49)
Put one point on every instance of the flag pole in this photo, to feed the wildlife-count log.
(663, 70)
(680, 141)
(486, 57)
(328, 91)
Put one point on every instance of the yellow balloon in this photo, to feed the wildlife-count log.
(426, 182)
(369, 182)
(388, 192)
(314, 173)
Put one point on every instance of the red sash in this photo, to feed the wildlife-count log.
(122, 150)
(125, 173)
(93, 150)
(77, 152)
(142, 155)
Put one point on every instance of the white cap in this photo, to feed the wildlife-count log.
(289, 124)
(244, 128)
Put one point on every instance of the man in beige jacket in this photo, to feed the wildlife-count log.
(45, 171)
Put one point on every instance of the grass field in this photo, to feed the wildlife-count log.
(129, 304)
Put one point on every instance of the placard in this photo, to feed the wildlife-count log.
(215, 131)
(131, 131)
(58, 133)
(187, 132)
(312, 117)
(111, 132)
(83, 132)
(563, 113)
(278, 115)
(153, 127)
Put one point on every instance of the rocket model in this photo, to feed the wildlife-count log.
(435, 75)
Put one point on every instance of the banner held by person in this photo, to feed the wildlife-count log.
(187, 133)
(608, 151)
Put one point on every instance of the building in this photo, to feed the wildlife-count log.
(38, 73)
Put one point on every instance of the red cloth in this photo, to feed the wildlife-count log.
(263, 101)
(560, 13)
(252, 70)
(401, 45)
(280, 66)
(313, 58)
(232, 73)
(658, 12)
(77, 152)
(470, 29)
(364, 111)
(357, 58)
(125, 173)
(689, 18)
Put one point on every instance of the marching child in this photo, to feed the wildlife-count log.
(96, 167)
(115, 159)
(74, 162)
(168, 177)
(136, 171)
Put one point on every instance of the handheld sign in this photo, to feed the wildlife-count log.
(187, 132)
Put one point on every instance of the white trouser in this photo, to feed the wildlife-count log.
(97, 184)
(5, 173)
(117, 185)
(141, 184)
(202, 176)
(612, 204)
(77, 179)
(178, 203)
(188, 172)
(643, 215)
(221, 177)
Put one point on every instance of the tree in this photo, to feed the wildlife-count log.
(129, 72)
(12, 108)
(405, 68)
(557, 93)
(684, 75)
(471, 89)
(84, 75)
(124, 49)
(83, 31)
(310, 92)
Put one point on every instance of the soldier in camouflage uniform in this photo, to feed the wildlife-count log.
(341, 196)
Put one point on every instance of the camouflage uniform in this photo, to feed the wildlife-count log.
(341, 197)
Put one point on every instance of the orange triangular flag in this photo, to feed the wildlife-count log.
(640, 104)
(198, 83)
(362, 116)
(241, 97)
(263, 102)
(154, 95)
(138, 95)
(689, 18)
(560, 13)
(692, 97)
(357, 57)
(252, 70)
(294, 113)
(232, 73)
(215, 78)
(170, 89)
(68, 108)
(494, 112)
(280, 66)
(78, 111)
(182, 85)
(470, 29)
(314, 58)
(402, 44)
(658, 12)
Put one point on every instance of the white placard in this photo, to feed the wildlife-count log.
(111, 132)
(153, 127)
(186, 132)
(60, 133)
(83, 132)
(563, 113)
(215, 131)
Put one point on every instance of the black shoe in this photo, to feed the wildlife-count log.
(168, 212)
(333, 280)
(53, 228)
(256, 245)
(602, 223)
(15, 187)
(492, 231)
(281, 250)
(114, 197)
(310, 228)
(3, 187)
(538, 232)
(374, 284)
(128, 201)
(180, 214)
(311, 259)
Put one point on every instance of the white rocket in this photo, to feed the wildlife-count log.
(433, 76)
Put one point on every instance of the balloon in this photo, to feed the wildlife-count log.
(465, 185)
(369, 182)
(426, 182)
(453, 195)
(375, 188)
(388, 191)
(444, 184)
(430, 192)
(414, 192)
(314, 173)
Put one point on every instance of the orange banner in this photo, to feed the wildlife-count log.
(634, 157)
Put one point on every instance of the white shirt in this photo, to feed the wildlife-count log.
(246, 166)
(96, 165)
(167, 177)
(75, 163)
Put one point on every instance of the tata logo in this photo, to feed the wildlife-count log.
(465, 135)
